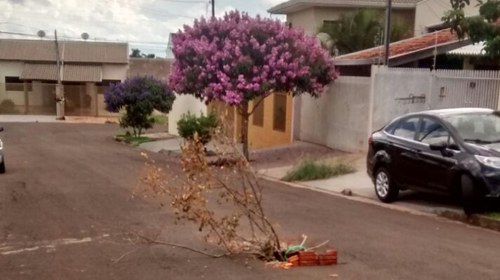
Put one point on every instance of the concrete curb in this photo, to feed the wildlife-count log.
(478, 221)
(353, 198)
(474, 220)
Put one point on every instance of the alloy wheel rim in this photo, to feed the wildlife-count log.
(382, 184)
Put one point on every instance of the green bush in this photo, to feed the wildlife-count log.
(310, 171)
(190, 125)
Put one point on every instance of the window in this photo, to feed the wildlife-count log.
(14, 84)
(329, 23)
(432, 132)
(390, 128)
(258, 114)
(407, 128)
(478, 128)
(279, 116)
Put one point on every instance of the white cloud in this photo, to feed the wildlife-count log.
(146, 24)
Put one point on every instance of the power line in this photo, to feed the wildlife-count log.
(13, 23)
(155, 44)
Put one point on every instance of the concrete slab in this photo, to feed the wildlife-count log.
(172, 145)
(361, 185)
(27, 119)
(52, 119)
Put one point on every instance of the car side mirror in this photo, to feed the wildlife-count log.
(440, 146)
(1, 128)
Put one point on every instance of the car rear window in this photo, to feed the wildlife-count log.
(407, 128)
(390, 127)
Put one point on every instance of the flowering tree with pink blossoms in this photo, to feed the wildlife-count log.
(237, 58)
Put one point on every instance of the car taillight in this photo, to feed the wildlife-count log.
(370, 140)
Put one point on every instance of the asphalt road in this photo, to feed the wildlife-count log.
(66, 206)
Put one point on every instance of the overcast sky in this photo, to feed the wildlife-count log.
(146, 24)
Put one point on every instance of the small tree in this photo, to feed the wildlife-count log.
(361, 30)
(237, 58)
(191, 126)
(140, 96)
(483, 27)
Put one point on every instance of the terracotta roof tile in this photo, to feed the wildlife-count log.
(405, 46)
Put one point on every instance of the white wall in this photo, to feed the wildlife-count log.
(114, 71)
(353, 107)
(430, 12)
(392, 87)
(184, 103)
(339, 118)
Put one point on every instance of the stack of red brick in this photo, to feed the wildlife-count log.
(309, 258)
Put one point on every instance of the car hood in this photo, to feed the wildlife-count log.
(491, 150)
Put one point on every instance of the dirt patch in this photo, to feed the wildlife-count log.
(291, 154)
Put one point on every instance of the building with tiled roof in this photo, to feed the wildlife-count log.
(419, 15)
(28, 73)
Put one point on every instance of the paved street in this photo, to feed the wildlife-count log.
(66, 206)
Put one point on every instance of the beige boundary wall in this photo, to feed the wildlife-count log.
(344, 117)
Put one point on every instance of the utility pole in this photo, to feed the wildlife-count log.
(213, 7)
(387, 31)
(59, 87)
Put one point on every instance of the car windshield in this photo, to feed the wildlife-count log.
(481, 128)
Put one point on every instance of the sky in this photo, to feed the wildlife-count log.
(145, 24)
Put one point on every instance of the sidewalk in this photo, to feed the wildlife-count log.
(52, 119)
(360, 184)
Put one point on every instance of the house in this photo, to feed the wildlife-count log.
(29, 73)
(473, 57)
(420, 15)
(158, 68)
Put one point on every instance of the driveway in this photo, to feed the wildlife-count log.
(66, 209)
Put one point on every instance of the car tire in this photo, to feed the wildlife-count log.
(385, 188)
(2, 167)
(471, 198)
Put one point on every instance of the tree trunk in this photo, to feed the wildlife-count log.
(244, 130)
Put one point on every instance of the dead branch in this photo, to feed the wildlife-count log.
(180, 246)
(303, 240)
(318, 246)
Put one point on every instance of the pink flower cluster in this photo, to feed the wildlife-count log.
(237, 58)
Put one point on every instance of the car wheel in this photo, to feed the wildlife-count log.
(471, 198)
(2, 167)
(385, 188)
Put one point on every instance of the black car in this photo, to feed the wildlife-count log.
(452, 151)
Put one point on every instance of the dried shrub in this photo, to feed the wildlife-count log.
(206, 192)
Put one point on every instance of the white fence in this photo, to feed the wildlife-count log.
(344, 117)
(464, 88)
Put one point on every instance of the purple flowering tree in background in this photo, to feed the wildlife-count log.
(237, 58)
(140, 96)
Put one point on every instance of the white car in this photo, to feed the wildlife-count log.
(2, 160)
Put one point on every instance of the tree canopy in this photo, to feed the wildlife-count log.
(140, 96)
(237, 58)
(138, 53)
(483, 27)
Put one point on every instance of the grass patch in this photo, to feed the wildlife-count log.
(310, 171)
(130, 139)
(160, 119)
(494, 215)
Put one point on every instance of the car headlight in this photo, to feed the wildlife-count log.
(489, 161)
(1, 145)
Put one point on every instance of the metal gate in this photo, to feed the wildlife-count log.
(464, 88)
